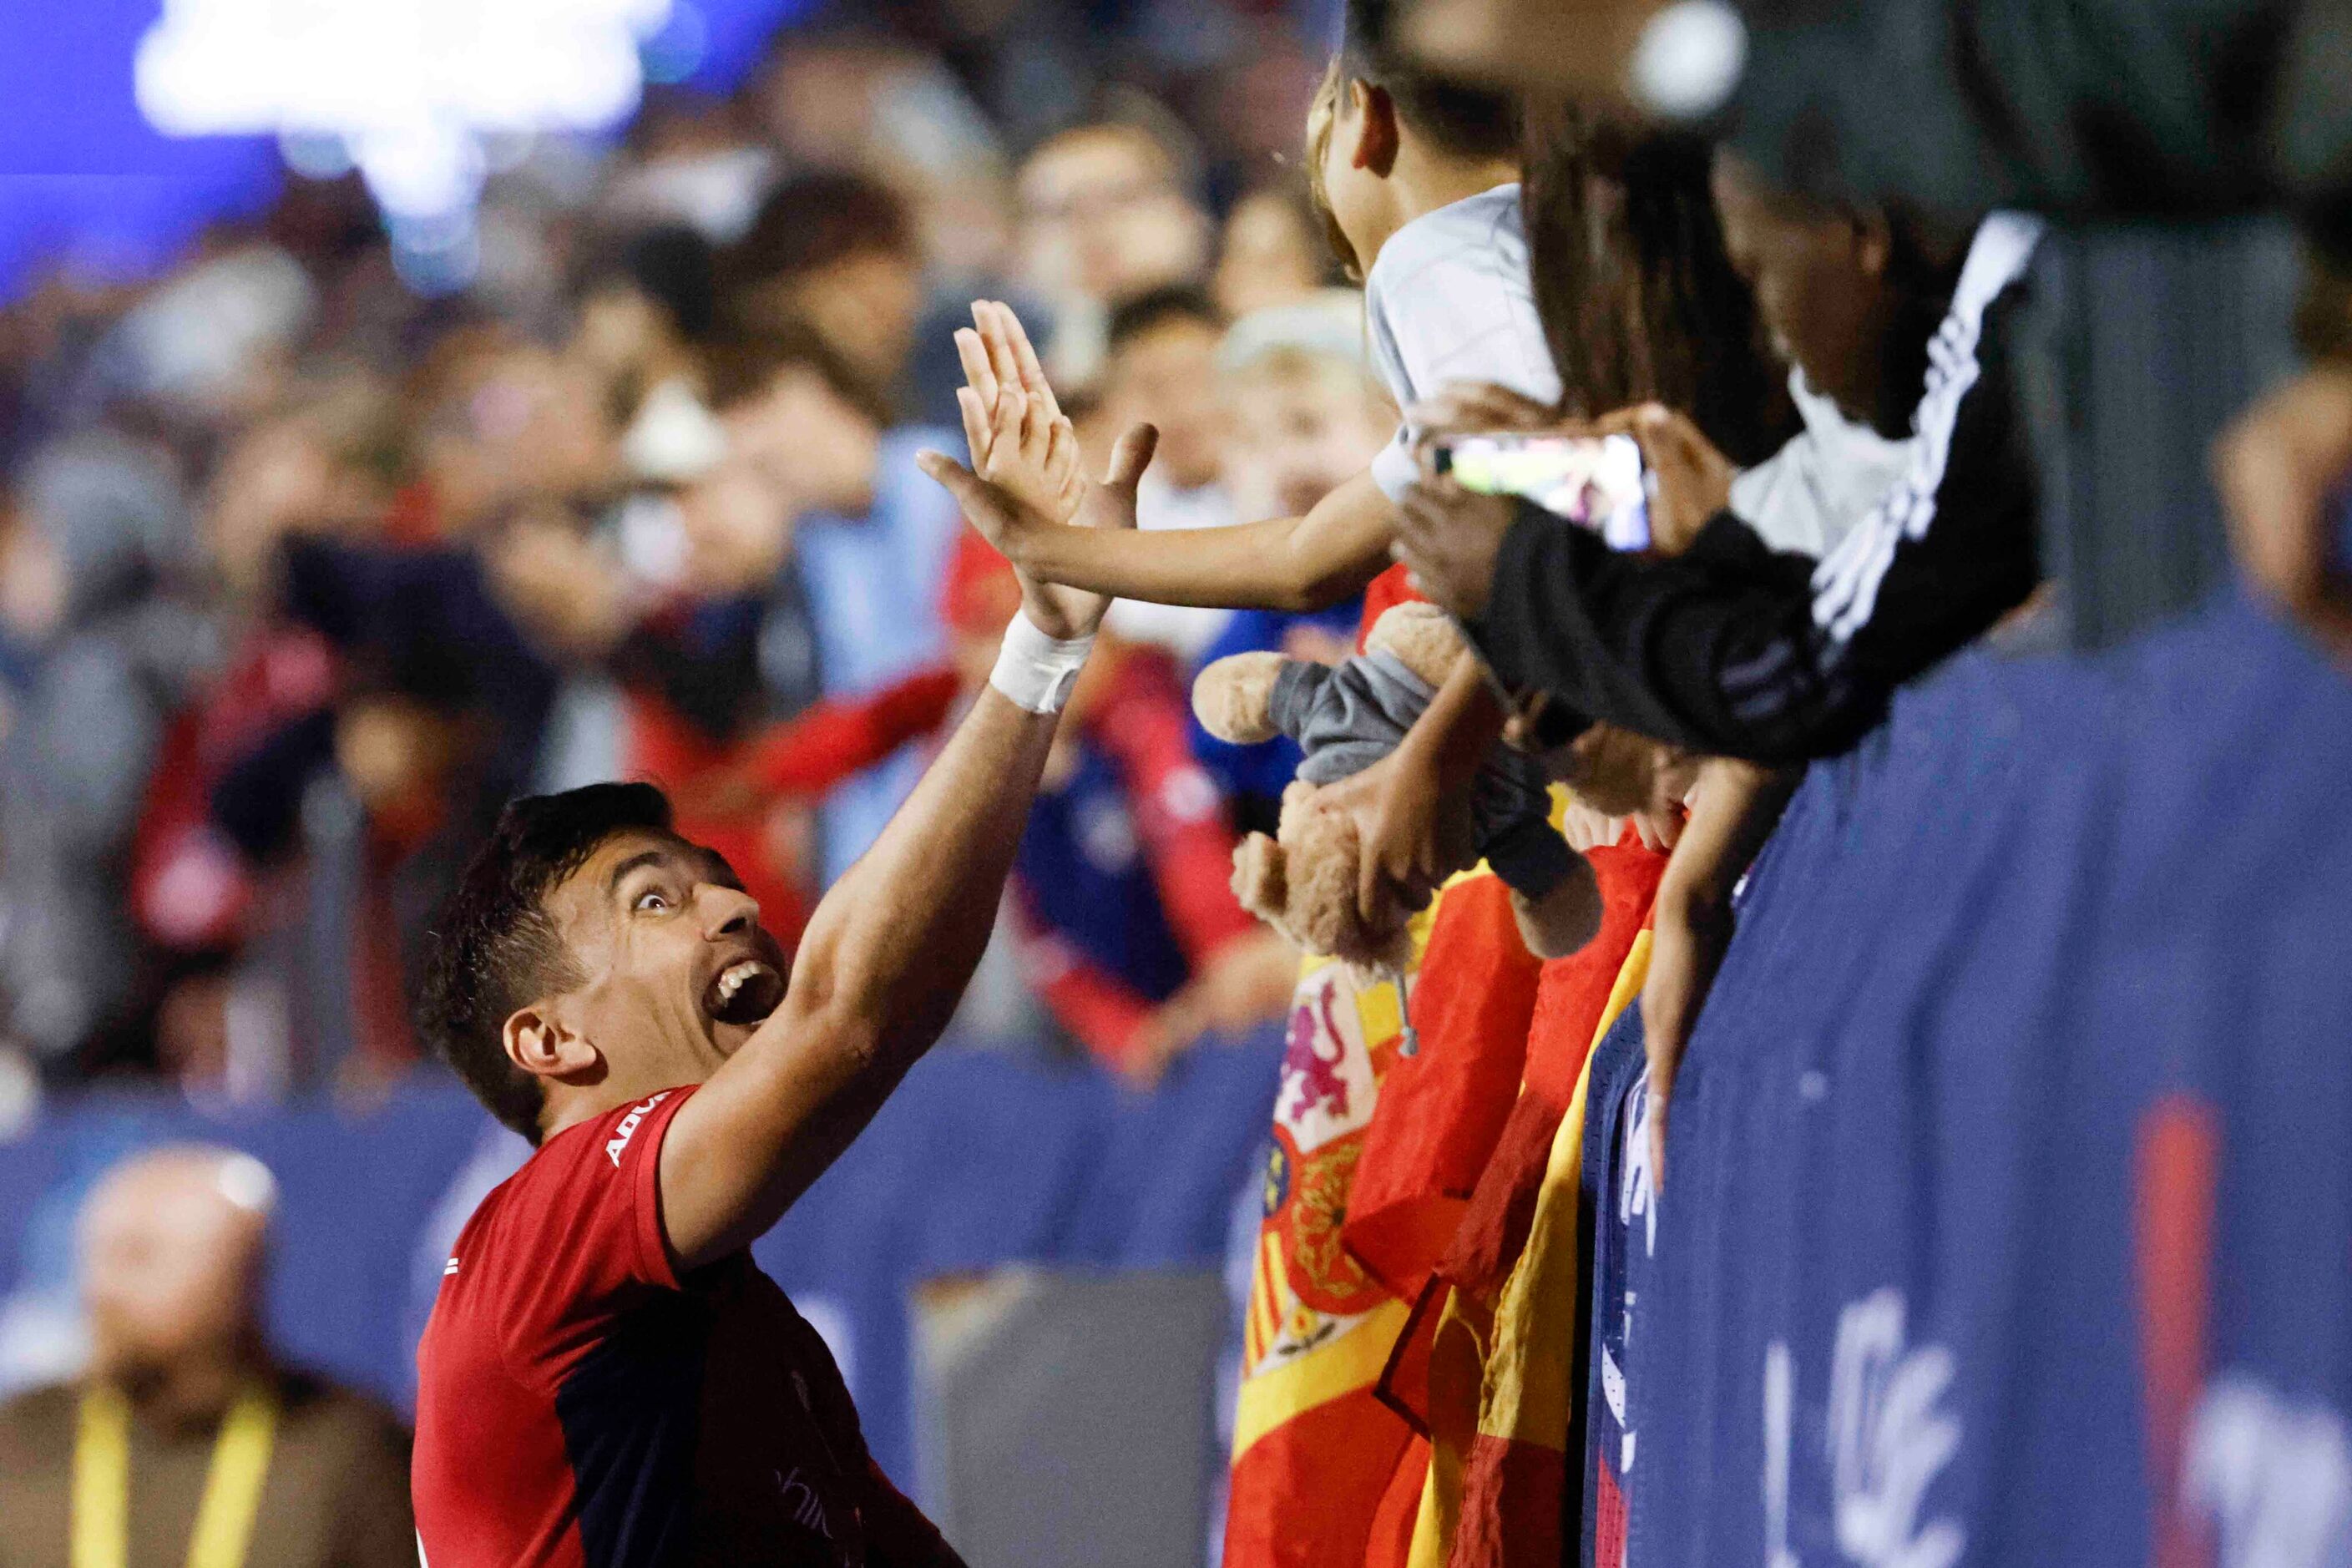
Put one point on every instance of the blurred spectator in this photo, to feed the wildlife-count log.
(836, 253)
(1108, 213)
(869, 540)
(92, 556)
(1271, 252)
(187, 1436)
(1303, 413)
(1126, 927)
(319, 465)
(732, 644)
(499, 420)
(1161, 370)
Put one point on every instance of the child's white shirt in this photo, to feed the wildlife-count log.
(1807, 495)
(1449, 298)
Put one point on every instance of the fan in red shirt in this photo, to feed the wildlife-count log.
(606, 1380)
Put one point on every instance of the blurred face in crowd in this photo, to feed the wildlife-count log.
(171, 1260)
(564, 584)
(1270, 255)
(34, 583)
(1166, 375)
(816, 448)
(525, 424)
(284, 478)
(1102, 217)
(625, 338)
(864, 305)
(397, 755)
(1302, 424)
(677, 969)
(739, 529)
(1819, 278)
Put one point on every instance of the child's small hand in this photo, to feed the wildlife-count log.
(1005, 392)
(1001, 516)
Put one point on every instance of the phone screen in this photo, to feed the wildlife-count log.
(1594, 481)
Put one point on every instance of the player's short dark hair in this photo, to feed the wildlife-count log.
(495, 949)
(1456, 117)
(1169, 304)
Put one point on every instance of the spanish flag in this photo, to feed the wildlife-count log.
(1377, 1151)
(1314, 1450)
(1496, 1473)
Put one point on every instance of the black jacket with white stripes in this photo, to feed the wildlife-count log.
(1732, 648)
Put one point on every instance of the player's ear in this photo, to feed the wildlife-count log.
(537, 1042)
(1376, 129)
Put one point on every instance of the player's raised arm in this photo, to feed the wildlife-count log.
(888, 954)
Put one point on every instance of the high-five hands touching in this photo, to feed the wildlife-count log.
(1025, 474)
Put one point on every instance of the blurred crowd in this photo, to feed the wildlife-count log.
(303, 573)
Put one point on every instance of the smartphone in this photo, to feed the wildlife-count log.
(1598, 482)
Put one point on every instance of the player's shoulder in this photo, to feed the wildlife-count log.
(603, 1142)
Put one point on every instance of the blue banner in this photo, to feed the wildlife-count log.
(2008, 1210)
(979, 1159)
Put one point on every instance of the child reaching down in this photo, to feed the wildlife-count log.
(1418, 179)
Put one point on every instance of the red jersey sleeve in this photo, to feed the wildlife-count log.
(574, 1236)
(809, 754)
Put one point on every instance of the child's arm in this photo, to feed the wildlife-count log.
(1282, 563)
(1737, 806)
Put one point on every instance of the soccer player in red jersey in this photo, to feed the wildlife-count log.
(606, 1380)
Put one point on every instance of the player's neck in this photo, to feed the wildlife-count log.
(569, 1105)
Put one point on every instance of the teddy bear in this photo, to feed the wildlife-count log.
(1302, 882)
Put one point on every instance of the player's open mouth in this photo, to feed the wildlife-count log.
(744, 992)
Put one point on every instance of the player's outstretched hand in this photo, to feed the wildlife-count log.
(1017, 447)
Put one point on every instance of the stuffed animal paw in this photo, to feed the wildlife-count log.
(1345, 717)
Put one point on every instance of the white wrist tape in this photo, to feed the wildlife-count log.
(1033, 671)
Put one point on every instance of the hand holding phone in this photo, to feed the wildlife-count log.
(1599, 482)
